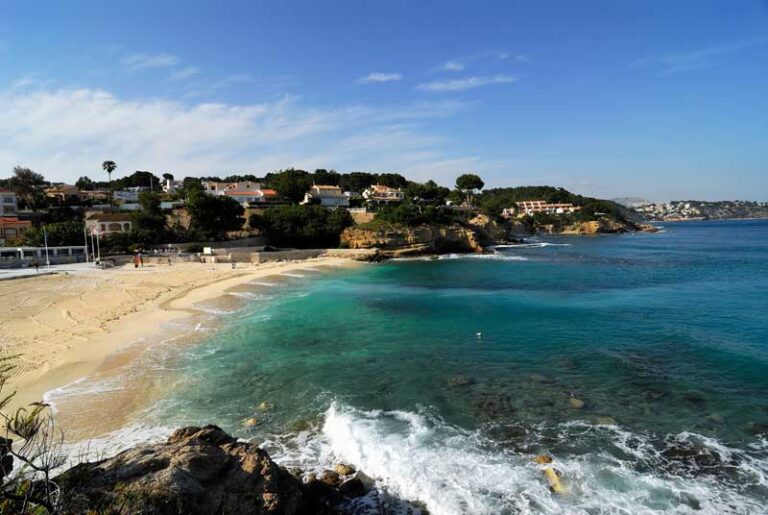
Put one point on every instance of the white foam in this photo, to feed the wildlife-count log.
(112, 443)
(418, 457)
(262, 283)
(286, 274)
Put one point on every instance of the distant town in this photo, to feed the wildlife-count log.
(41, 220)
(693, 210)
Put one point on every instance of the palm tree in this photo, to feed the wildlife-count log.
(109, 167)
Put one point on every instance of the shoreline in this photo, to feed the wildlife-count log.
(64, 327)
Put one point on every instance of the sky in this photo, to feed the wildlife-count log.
(654, 99)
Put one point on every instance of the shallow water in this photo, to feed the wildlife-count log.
(639, 362)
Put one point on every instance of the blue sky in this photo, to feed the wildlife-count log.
(658, 99)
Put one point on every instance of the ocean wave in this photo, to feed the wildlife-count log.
(532, 245)
(418, 457)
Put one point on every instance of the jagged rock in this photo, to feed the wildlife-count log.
(265, 406)
(343, 469)
(600, 226)
(197, 471)
(352, 488)
(330, 477)
(251, 422)
(401, 241)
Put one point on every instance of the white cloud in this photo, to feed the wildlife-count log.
(452, 66)
(144, 61)
(67, 133)
(185, 73)
(380, 77)
(688, 61)
(440, 86)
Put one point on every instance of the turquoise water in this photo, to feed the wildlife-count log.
(639, 362)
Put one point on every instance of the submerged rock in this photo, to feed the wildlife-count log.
(458, 381)
(576, 403)
(265, 406)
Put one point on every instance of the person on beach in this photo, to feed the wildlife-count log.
(136, 261)
(36, 264)
(234, 264)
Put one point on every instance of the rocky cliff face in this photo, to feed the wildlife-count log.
(601, 226)
(205, 471)
(397, 241)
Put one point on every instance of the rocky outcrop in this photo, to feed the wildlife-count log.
(203, 471)
(600, 226)
(399, 241)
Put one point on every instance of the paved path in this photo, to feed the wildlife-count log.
(73, 268)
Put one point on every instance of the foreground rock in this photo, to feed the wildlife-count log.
(197, 471)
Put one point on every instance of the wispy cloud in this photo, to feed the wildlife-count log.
(144, 61)
(452, 66)
(32, 80)
(440, 86)
(669, 64)
(65, 133)
(185, 73)
(520, 58)
(380, 77)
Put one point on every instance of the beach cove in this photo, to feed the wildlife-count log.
(637, 362)
(60, 328)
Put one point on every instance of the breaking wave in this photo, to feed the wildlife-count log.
(418, 457)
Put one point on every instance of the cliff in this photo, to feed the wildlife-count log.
(397, 240)
(603, 226)
(205, 471)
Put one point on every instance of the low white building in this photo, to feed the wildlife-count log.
(253, 197)
(529, 207)
(327, 196)
(126, 196)
(109, 223)
(381, 194)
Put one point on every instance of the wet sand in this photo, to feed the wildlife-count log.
(62, 328)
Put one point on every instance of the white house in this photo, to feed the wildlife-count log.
(380, 194)
(327, 196)
(8, 204)
(126, 196)
(109, 223)
(529, 207)
(249, 198)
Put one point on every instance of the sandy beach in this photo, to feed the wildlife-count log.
(63, 327)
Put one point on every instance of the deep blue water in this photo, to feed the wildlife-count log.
(639, 362)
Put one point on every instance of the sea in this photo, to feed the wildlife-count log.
(638, 363)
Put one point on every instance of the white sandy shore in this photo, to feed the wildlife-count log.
(62, 327)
